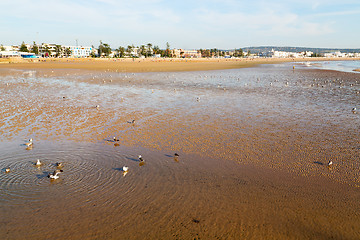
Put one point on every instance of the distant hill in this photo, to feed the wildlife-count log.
(299, 49)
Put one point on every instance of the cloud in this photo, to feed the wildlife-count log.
(266, 22)
(337, 13)
(225, 22)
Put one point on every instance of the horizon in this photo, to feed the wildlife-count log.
(226, 24)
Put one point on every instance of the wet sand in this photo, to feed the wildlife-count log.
(253, 143)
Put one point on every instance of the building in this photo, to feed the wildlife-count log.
(182, 53)
(47, 50)
(336, 54)
(9, 54)
(80, 51)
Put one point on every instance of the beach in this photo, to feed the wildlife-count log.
(254, 141)
(134, 65)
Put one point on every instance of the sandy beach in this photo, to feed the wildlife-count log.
(149, 64)
(254, 143)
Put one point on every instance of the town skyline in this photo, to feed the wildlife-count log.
(184, 24)
(149, 50)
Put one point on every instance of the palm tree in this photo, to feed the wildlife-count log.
(67, 52)
(121, 51)
(149, 50)
(58, 50)
(35, 48)
(156, 50)
(47, 51)
(142, 50)
(129, 49)
(167, 51)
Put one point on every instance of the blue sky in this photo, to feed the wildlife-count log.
(223, 24)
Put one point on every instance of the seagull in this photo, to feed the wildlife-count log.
(125, 168)
(140, 158)
(330, 163)
(116, 139)
(54, 175)
(176, 157)
(59, 164)
(133, 121)
(38, 163)
(97, 106)
(29, 143)
(7, 170)
(354, 110)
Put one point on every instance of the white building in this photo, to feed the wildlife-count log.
(80, 51)
(8, 54)
(11, 48)
(335, 54)
(178, 53)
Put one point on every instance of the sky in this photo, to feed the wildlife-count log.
(187, 24)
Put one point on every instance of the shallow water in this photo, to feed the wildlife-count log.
(254, 142)
(342, 66)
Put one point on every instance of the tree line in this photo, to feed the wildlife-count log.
(147, 50)
(104, 50)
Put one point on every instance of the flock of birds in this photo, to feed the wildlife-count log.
(55, 175)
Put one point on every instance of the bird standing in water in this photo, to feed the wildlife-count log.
(55, 174)
(38, 163)
(29, 143)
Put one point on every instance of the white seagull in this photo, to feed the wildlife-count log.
(38, 163)
(29, 143)
(59, 164)
(140, 158)
(125, 168)
(330, 163)
(55, 174)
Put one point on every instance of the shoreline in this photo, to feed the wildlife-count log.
(137, 65)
